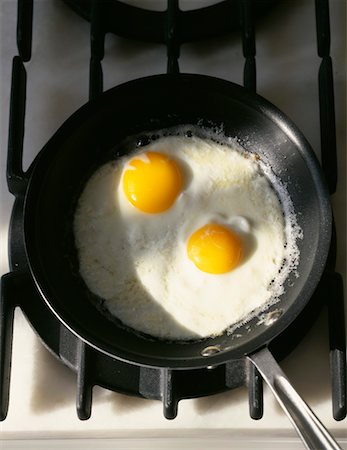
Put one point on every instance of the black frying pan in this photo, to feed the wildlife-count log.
(90, 137)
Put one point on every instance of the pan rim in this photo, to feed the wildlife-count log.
(256, 102)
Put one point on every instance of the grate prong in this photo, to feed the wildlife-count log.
(169, 397)
(255, 392)
(172, 38)
(337, 340)
(84, 386)
(16, 178)
(24, 28)
(248, 43)
(6, 337)
(326, 96)
(97, 44)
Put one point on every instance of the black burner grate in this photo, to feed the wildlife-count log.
(173, 27)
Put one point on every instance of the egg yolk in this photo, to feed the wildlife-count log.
(152, 181)
(215, 249)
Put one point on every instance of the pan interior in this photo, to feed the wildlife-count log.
(88, 139)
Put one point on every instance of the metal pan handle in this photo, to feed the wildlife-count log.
(310, 429)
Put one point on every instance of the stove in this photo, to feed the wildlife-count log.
(291, 68)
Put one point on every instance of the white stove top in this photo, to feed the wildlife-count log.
(42, 397)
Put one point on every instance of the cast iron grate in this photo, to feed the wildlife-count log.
(172, 27)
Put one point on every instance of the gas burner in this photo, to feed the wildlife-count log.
(152, 26)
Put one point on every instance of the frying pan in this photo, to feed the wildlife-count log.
(96, 133)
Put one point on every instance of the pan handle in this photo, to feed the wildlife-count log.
(310, 429)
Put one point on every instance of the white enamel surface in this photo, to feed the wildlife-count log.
(42, 390)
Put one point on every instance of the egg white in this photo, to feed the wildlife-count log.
(138, 262)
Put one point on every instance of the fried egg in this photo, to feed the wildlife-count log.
(184, 238)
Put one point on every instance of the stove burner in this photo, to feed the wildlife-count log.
(17, 287)
(142, 24)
